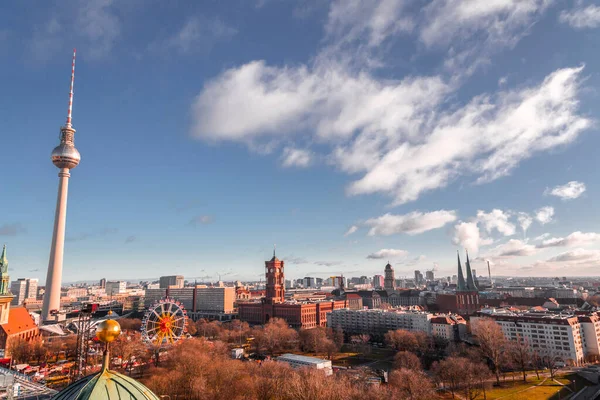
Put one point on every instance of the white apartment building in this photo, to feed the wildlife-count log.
(562, 337)
(449, 327)
(200, 298)
(377, 322)
(115, 287)
(175, 281)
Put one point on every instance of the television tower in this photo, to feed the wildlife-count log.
(66, 157)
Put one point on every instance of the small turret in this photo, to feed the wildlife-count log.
(3, 260)
(4, 278)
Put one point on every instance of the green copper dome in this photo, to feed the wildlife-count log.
(106, 385)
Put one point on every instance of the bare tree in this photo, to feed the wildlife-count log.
(537, 362)
(39, 351)
(551, 363)
(129, 348)
(55, 348)
(474, 376)
(191, 328)
(130, 324)
(402, 340)
(360, 343)
(519, 353)
(275, 336)
(20, 350)
(412, 385)
(314, 340)
(407, 360)
(492, 343)
(448, 373)
(460, 373)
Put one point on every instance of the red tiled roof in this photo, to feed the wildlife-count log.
(352, 296)
(19, 320)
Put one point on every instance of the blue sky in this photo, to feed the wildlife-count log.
(346, 132)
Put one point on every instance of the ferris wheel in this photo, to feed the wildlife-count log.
(164, 323)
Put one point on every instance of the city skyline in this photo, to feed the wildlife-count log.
(348, 133)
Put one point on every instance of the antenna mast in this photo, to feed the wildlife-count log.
(70, 110)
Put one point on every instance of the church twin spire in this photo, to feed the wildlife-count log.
(469, 285)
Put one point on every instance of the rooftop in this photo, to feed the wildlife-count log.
(302, 359)
(19, 320)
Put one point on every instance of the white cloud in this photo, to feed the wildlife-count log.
(473, 30)
(296, 157)
(467, 235)
(577, 255)
(351, 20)
(351, 230)
(98, 23)
(201, 220)
(412, 223)
(94, 25)
(399, 148)
(388, 253)
(402, 136)
(542, 237)
(544, 215)
(198, 34)
(513, 248)
(581, 17)
(415, 261)
(525, 221)
(498, 220)
(448, 20)
(568, 191)
(574, 239)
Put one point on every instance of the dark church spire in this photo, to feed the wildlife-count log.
(470, 282)
(461, 287)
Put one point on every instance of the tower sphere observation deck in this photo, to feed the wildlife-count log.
(65, 155)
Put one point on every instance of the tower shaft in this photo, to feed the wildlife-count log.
(55, 264)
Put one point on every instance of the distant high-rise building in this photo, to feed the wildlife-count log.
(309, 282)
(115, 287)
(23, 288)
(378, 281)
(18, 288)
(174, 281)
(418, 277)
(389, 280)
(103, 283)
(429, 276)
(337, 281)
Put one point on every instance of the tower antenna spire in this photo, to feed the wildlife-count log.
(70, 110)
(274, 248)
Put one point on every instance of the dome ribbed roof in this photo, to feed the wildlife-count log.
(106, 384)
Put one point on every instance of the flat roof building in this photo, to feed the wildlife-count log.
(298, 361)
